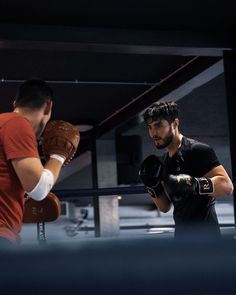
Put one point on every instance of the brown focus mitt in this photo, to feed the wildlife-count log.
(49, 209)
(60, 138)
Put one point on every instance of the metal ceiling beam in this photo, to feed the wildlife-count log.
(197, 72)
(191, 76)
(188, 77)
(178, 84)
(207, 75)
(82, 82)
(119, 41)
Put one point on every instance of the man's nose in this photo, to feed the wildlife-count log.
(153, 133)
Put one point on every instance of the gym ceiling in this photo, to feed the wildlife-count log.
(108, 60)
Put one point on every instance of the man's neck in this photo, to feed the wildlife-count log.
(31, 116)
(175, 144)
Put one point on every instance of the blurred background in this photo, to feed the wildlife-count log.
(107, 62)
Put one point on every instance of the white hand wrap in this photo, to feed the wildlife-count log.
(59, 158)
(43, 187)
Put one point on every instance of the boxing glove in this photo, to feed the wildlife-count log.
(182, 185)
(150, 173)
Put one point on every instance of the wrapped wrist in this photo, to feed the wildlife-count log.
(204, 186)
(58, 157)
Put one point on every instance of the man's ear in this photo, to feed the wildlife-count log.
(176, 123)
(48, 107)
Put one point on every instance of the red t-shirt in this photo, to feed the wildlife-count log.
(17, 140)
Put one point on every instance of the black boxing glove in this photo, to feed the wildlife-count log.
(182, 185)
(150, 172)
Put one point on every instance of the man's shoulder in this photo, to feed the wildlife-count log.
(5, 117)
(12, 117)
(194, 145)
(201, 155)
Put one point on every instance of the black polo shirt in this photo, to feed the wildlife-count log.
(193, 212)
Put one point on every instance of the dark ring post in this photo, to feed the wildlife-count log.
(230, 84)
(95, 186)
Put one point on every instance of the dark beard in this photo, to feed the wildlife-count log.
(168, 139)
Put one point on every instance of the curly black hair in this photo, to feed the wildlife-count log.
(161, 110)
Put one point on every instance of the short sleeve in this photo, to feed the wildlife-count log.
(204, 158)
(19, 140)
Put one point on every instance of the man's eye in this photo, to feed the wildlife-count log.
(159, 125)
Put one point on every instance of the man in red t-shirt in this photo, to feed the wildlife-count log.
(20, 167)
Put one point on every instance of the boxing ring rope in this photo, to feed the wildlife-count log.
(73, 194)
(89, 192)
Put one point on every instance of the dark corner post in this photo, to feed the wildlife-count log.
(95, 186)
(230, 84)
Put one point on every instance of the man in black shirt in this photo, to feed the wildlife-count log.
(189, 175)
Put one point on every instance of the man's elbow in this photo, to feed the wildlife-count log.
(230, 189)
(165, 209)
